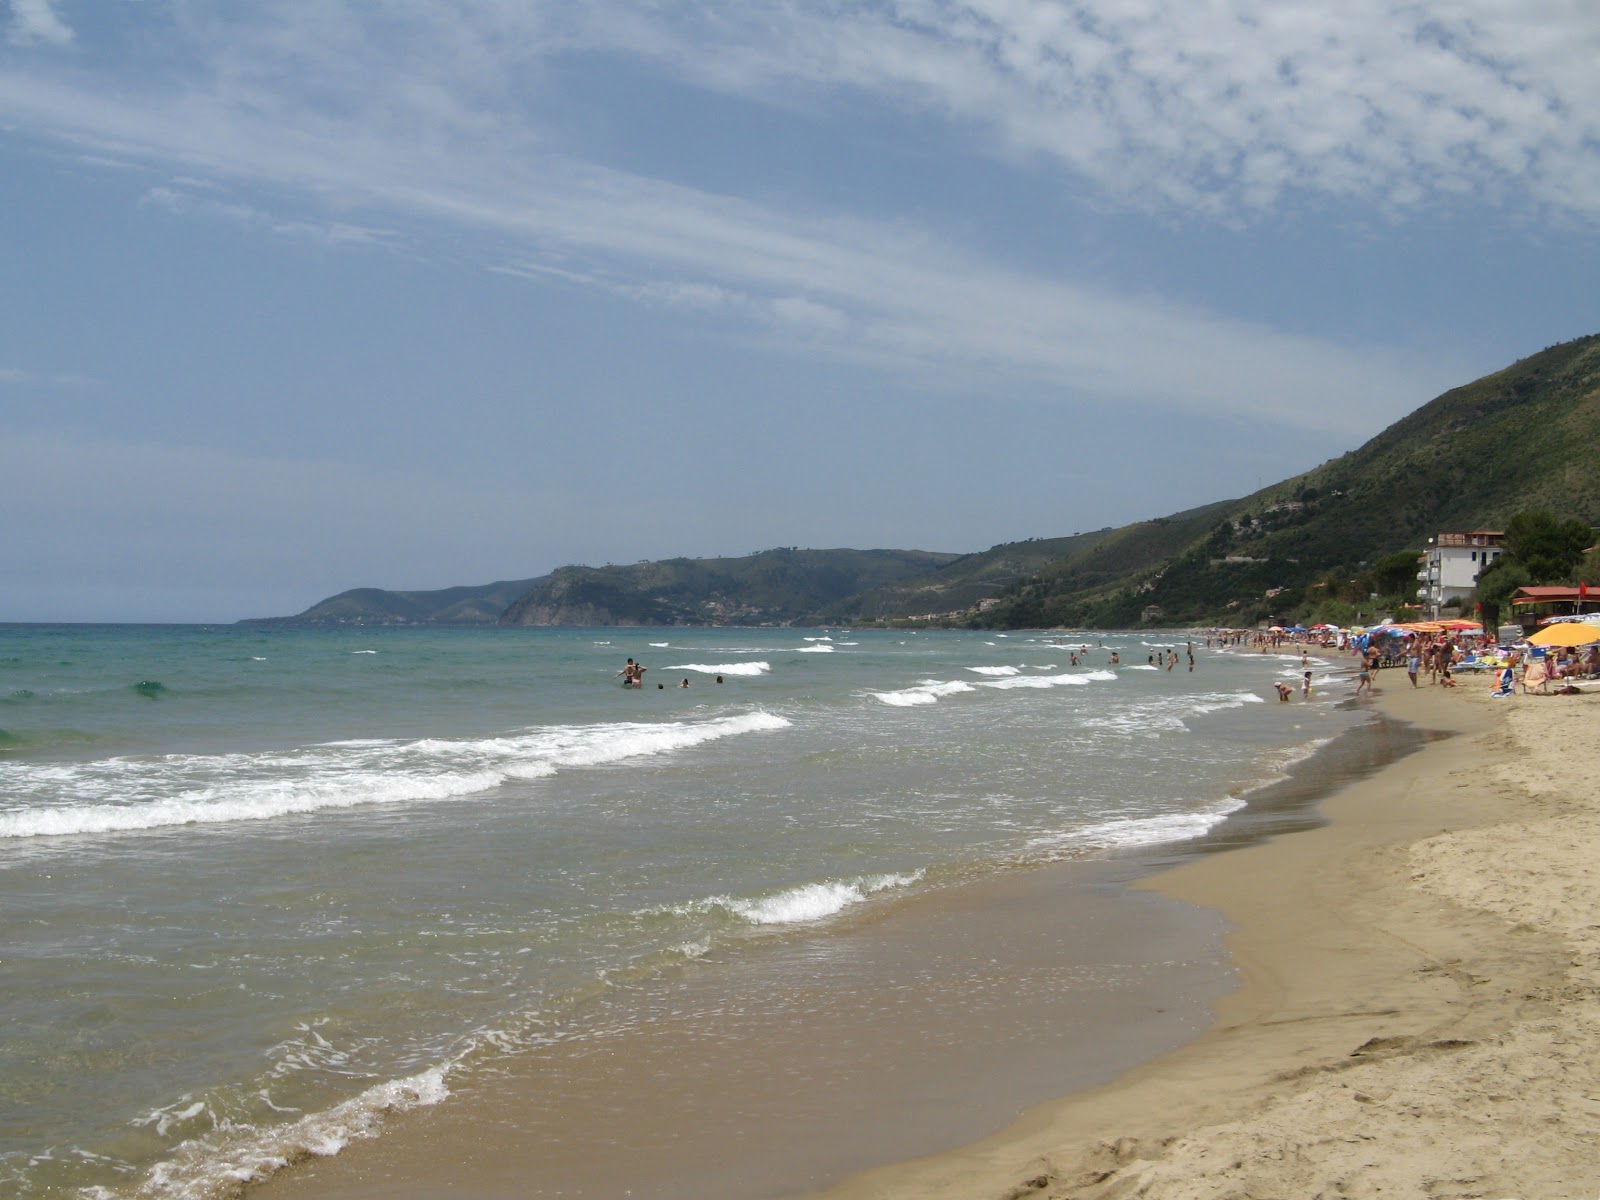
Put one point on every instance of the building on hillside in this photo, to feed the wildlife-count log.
(1450, 567)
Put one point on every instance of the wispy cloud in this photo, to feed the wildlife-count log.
(180, 198)
(36, 21)
(1223, 111)
(21, 378)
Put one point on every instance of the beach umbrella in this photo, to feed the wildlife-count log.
(1573, 633)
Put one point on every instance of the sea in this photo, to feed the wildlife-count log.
(265, 890)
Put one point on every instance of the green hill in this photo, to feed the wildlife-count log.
(1525, 437)
(775, 587)
(480, 605)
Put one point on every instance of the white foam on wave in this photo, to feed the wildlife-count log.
(1140, 667)
(124, 795)
(995, 670)
(744, 668)
(1152, 717)
(811, 902)
(1213, 703)
(929, 691)
(1126, 833)
(814, 649)
(1076, 679)
(236, 1153)
(660, 645)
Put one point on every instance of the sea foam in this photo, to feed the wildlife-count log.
(811, 901)
(928, 692)
(130, 795)
(232, 1155)
(744, 668)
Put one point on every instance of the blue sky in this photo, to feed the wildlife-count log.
(305, 296)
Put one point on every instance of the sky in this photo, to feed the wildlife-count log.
(303, 296)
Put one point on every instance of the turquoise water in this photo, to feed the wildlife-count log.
(258, 887)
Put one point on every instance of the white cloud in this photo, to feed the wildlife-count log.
(1224, 108)
(182, 201)
(35, 21)
(22, 378)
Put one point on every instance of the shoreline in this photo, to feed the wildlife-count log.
(1415, 1013)
(923, 1023)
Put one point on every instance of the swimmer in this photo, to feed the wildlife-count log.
(1284, 691)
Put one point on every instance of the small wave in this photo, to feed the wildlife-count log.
(928, 692)
(131, 795)
(363, 652)
(151, 688)
(817, 649)
(1126, 833)
(223, 1161)
(995, 670)
(1218, 704)
(660, 645)
(745, 668)
(811, 901)
(1079, 679)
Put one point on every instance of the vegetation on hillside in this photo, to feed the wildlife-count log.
(1539, 550)
(786, 586)
(1338, 543)
(1330, 544)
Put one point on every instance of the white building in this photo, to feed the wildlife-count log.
(1450, 567)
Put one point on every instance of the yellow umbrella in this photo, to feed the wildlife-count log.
(1567, 633)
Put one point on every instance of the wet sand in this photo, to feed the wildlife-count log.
(1416, 1014)
(907, 1031)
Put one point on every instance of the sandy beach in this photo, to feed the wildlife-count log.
(1416, 1015)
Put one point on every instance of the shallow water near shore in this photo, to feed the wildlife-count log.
(267, 891)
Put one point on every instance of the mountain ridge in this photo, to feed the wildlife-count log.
(1526, 436)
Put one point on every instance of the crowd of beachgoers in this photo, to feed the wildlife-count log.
(1556, 659)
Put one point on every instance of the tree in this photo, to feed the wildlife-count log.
(1548, 548)
(1496, 582)
(1395, 573)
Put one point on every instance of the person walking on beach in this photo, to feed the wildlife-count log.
(1413, 665)
(1364, 678)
